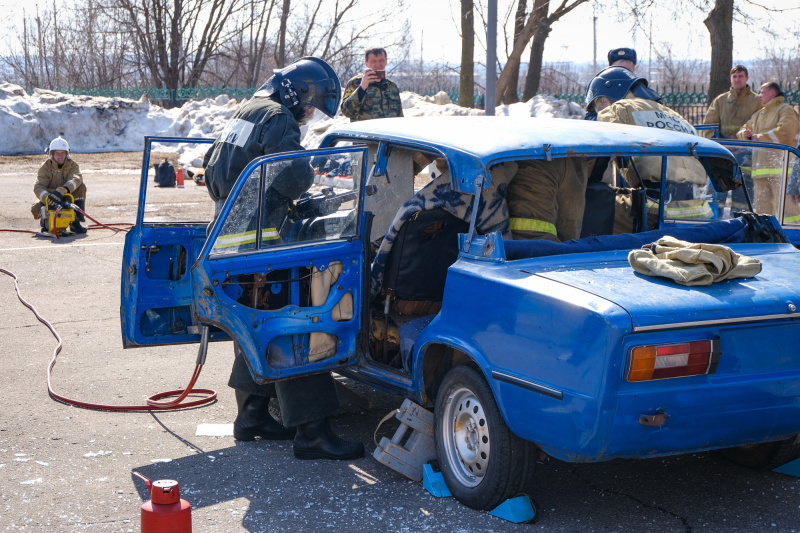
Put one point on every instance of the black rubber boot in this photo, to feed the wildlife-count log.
(75, 225)
(254, 420)
(316, 440)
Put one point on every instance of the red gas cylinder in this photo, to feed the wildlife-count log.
(179, 177)
(166, 512)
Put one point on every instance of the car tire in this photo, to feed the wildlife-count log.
(482, 461)
(765, 456)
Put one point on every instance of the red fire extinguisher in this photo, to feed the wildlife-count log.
(165, 512)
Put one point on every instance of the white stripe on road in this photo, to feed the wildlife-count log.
(63, 246)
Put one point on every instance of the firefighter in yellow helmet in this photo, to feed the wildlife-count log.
(57, 176)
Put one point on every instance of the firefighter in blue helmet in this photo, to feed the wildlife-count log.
(617, 95)
(269, 123)
(613, 83)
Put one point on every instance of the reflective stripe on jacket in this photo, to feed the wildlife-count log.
(531, 224)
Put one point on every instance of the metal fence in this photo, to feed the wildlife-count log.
(689, 101)
(159, 93)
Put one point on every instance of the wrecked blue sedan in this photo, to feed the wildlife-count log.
(397, 269)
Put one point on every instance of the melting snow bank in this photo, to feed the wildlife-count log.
(99, 124)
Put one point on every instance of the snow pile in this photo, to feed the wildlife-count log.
(542, 106)
(99, 124)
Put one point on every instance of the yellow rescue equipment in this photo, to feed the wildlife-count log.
(57, 219)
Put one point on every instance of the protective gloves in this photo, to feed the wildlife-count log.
(55, 199)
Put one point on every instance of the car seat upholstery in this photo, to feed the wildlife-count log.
(438, 194)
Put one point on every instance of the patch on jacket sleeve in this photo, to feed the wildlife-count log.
(236, 132)
(662, 121)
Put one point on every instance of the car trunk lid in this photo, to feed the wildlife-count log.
(658, 303)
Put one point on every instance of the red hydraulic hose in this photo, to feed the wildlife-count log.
(98, 225)
(152, 402)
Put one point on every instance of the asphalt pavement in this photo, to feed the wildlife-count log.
(67, 469)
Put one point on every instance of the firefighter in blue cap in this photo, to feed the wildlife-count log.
(622, 57)
(269, 123)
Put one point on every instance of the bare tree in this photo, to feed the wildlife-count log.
(511, 94)
(337, 32)
(466, 94)
(536, 23)
(720, 16)
(720, 29)
(280, 51)
(175, 38)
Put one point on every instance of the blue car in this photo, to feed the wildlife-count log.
(403, 275)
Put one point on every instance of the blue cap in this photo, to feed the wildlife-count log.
(616, 54)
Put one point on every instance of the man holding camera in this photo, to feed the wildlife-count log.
(371, 95)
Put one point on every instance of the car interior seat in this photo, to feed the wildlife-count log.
(416, 270)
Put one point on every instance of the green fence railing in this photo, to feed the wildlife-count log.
(159, 93)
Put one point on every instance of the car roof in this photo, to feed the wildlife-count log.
(474, 143)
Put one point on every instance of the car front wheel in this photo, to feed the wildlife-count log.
(482, 461)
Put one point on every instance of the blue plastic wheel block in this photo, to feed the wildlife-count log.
(434, 482)
(517, 510)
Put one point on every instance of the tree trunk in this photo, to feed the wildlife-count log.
(535, 64)
(280, 56)
(510, 95)
(720, 28)
(466, 96)
(538, 15)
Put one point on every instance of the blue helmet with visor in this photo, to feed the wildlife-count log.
(614, 83)
(307, 81)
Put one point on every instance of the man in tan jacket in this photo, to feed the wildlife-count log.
(776, 123)
(57, 176)
(732, 109)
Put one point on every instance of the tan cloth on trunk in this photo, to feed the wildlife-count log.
(692, 264)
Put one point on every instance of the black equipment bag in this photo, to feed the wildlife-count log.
(165, 175)
(425, 247)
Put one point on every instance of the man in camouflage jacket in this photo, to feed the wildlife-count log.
(371, 95)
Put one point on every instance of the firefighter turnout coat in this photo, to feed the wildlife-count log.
(776, 123)
(731, 111)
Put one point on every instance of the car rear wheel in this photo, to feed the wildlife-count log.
(765, 456)
(482, 461)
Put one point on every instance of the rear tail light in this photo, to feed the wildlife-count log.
(662, 361)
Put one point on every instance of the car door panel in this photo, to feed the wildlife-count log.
(156, 291)
(256, 276)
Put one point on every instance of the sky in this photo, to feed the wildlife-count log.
(572, 36)
(436, 35)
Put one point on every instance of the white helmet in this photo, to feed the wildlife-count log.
(59, 143)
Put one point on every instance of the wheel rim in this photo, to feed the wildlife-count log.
(466, 437)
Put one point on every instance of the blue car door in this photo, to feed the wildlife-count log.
(170, 230)
(285, 279)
